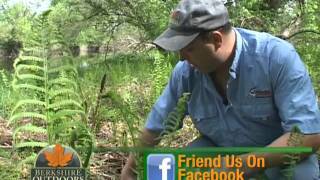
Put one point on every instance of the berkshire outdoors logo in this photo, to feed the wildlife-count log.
(58, 162)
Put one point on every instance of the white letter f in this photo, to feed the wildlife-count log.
(164, 168)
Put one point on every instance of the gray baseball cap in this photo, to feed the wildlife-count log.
(189, 19)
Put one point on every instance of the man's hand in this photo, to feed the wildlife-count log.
(147, 139)
(127, 172)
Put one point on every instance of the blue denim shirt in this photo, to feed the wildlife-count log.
(269, 91)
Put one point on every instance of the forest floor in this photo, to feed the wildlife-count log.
(103, 166)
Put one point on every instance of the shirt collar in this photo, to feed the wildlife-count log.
(235, 63)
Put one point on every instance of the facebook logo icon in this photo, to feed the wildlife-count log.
(160, 167)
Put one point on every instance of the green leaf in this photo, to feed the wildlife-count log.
(28, 86)
(30, 144)
(65, 92)
(62, 81)
(62, 68)
(21, 67)
(25, 115)
(27, 102)
(63, 103)
(28, 160)
(67, 112)
(173, 121)
(31, 58)
(30, 76)
(30, 128)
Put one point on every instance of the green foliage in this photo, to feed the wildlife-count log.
(8, 171)
(128, 115)
(4, 79)
(15, 23)
(295, 140)
(82, 140)
(52, 103)
(55, 106)
(95, 120)
(149, 16)
(161, 72)
(174, 119)
(6, 96)
(285, 19)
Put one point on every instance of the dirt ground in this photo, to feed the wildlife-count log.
(107, 165)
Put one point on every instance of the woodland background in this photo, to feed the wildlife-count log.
(84, 73)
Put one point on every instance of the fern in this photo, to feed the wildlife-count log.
(30, 76)
(30, 128)
(64, 92)
(51, 99)
(28, 102)
(64, 103)
(81, 140)
(62, 68)
(62, 81)
(31, 144)
(28, 87)
(21, 115)
(161, 72)
(31, 58)
(295, 140)
(23, 67)
(173, 121)
(4, 79)
(126, 112)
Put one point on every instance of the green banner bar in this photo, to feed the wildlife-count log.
(206, 149)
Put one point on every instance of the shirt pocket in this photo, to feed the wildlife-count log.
(261, 125)
(261, 112)
(207, 122)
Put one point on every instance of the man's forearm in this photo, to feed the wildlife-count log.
(274, 159)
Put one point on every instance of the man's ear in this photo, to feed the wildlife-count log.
(216, 38)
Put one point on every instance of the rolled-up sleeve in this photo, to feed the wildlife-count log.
(167, 101)
(294, 95)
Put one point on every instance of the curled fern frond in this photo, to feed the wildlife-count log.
(173, 121)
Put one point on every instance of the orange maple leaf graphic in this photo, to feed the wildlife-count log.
(58, 157)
